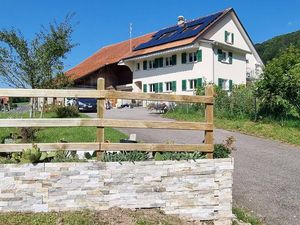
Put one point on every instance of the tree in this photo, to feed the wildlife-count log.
(279, 86)
(37, 63)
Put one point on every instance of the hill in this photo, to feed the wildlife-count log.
(272, 48)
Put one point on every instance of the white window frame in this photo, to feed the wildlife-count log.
(226, 58)
(225, 84)
(193, 55)
(151, 88)
(229, 37)
(169, 59)
(138, 66)
(150, 62)
(169, 86)
(192, 84)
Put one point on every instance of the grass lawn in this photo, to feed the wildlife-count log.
(288, 133)
(245, 216)
(69, 134)
(112, 216)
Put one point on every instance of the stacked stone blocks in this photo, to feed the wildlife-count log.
(197, 190)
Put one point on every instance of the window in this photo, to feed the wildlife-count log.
(229, 37)
(194, 83)
(144, 65)
(225, 57)
(153, 87)
(225, 84)
(137, 66)
(151, 64)
(168, 61)
(193, 57)
(169, 86)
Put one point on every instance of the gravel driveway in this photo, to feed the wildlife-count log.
(267, 173)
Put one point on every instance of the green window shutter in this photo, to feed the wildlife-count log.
(145, 88)
(220, 82)
(226, 36)
(183, 58)
(174, 86)
(199, 55)
(160, 87)
(161, 62)
(183, 85)
(144, 65)
(199, 82)
(174, 59)
(155, 63)
(220, 55)
(232, 38)
(156, 87)
(230, 57)
(230, 85)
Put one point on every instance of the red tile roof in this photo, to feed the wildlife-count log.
(107, 55)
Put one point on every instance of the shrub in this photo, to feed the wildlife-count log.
(31, 155)
(221, 151)
(67, 112)
(66, 156)
(28, 134)
(125, 156)
(161, 156)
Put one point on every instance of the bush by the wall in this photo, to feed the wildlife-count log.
(125, 156)
(66, 111)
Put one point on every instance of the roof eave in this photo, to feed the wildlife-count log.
(164, 51)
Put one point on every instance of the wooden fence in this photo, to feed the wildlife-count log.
(100, 122)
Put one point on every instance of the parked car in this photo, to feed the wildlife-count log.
(87, 104)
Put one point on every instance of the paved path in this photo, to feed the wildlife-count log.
(267, 173)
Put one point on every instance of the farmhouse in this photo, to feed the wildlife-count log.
(212, 49)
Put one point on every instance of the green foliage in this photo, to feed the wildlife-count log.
(37, 63)
(279, 87)
(28, 134)
(274, 47)
(31, 155)
(125, 156)
(34, 155)
(65, 156)
(221, 151)
(237, 104)
(7, 160)
(245, 216)
(67, 112)
(162, 156)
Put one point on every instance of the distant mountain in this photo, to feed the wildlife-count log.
(272, 48)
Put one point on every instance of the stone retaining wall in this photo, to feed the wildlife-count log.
(198, 190)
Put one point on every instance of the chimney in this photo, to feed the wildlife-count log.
(181, 20)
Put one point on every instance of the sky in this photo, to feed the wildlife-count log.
(101, 22)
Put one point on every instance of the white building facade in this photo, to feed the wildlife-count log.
(223, 55)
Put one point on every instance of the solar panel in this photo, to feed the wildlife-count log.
(179, 32)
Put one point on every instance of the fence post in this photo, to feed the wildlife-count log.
(209, 118)
(100, 114)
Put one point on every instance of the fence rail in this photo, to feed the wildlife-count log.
(100, 122)
(50, 93)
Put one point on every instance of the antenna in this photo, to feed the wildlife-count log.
(130, 35)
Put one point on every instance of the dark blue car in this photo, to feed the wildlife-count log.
(87, 104)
